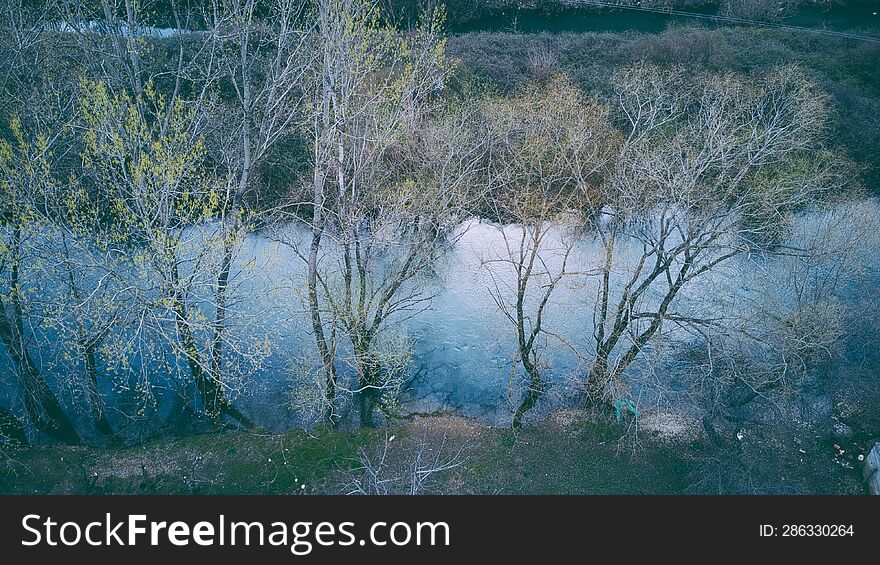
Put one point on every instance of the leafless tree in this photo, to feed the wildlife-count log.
(263, 59)
(367, 92)
(792, 323)
(550, 148)
(25, 46)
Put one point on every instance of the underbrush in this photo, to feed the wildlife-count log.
(847, 69)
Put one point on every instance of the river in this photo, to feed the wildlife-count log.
(464, 348)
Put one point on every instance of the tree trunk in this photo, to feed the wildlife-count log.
(532, 394)
(230, 232)
(99, 414)
(219, 324)
(368, 382)
(41, 405)
(598, 399)
(43, 409)
(712, 432)
(211, 392)
(367, 406)
(215, 393)
(597, 377)
(314, 307)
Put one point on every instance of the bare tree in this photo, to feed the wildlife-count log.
(705, 174)
(398, 226)
(550, 148)
(368, 89)
(791, 324)
(25, 47)
(262, 58)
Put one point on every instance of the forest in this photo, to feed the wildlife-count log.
(402, 247)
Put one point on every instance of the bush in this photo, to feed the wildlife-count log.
(845, 68)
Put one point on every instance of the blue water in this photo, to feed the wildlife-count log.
(463, 348)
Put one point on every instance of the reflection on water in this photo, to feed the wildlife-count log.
(464, 350)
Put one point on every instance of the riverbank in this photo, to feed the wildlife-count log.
(566, 454)
(846, 69)
(530, 16)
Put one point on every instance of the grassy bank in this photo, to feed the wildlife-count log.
(563, 455)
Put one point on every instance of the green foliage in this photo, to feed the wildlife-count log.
(229, 463)
(25, 177)
(25, 186)
(149, 166)
(845, 69)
